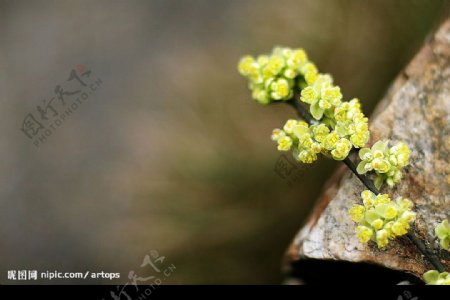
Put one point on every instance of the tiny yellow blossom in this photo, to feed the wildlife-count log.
(368, 198)
(342, 149)
(320, 132)
(330, 141)
(382, 238)
(377, 224)
(357, 213)
(386, 163)
(433, 277)
(284, 143)
(289, 125)
(386, 219)
(364, 233)
(277, 134)
(297, 59)
(382, 199)
(247, 66)
(308, 95)
(307, 156)
(331, 94)
(400, 228)
(442, 231)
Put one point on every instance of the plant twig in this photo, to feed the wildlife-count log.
(301, 111)
(426, 252)
(368, 183)
(430, 255)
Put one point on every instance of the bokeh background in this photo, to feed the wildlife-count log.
(171, 154)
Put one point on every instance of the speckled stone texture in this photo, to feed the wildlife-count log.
(415, 110)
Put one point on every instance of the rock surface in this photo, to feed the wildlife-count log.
(416, 110)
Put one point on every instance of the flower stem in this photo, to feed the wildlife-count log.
(368, 183)
(430, 255)
(427, 253)
(301, 111)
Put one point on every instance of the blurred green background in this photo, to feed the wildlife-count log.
(171, 153)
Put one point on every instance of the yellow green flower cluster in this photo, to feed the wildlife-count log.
(345, 117)
(321, 95)
(380, 219)
(442, 231)
(273, 77)
(384, 161)
(277, 76)
(433, 277)
(349, 122)
(306, 141)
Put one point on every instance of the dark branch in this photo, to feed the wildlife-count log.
(367, 182)
(302, 113)
(431, 256)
